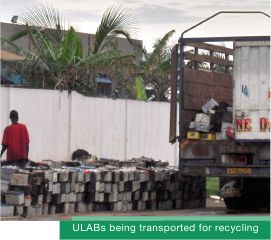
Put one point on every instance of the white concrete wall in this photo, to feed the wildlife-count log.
(60, 123)
(46, 115)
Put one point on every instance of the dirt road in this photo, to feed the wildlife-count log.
(213, 208)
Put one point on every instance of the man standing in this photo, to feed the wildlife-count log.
(15, 140)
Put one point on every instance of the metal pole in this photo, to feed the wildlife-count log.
(222, 12)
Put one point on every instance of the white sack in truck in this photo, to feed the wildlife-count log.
(199, 126)
(203, 118)
(209, 105)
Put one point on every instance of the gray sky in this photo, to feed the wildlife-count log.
(157, 17)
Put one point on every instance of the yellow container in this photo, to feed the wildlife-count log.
(207, 136)
(193, 135)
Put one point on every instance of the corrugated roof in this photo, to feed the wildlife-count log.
(9, 56)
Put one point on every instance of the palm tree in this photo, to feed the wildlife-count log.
(155, 68)
(116, 20)
(43, 17)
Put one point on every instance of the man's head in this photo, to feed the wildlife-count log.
(14, 116)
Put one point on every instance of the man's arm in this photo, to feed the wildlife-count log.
(4, 141)
(4, 147)
(27, 140)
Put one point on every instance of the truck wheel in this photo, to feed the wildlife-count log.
(245, 203)
(255, 195)
(234, 203)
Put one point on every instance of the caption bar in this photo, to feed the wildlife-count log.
(165, 229)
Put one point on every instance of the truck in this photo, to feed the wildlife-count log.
(220, 97)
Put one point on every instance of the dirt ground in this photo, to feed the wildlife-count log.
(212, 203)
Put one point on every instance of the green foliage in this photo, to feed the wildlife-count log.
(212, 186)
(50, 64)
(115, 20)
(155, 68)
(140, 89)
(56, 59)
(43, 17)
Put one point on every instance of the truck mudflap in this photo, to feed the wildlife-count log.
(227, 171)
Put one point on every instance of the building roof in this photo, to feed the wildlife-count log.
(7, 29)
(9, 56)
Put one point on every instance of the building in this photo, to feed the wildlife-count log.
(7, 29)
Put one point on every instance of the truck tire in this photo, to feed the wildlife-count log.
(255, 195)
(234, 203)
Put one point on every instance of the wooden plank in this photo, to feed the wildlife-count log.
(208, 78)
(206, 58)
(211, 47)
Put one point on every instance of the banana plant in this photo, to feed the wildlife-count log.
(140, 89)
(57, 61)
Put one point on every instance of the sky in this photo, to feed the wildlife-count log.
(157, 17)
